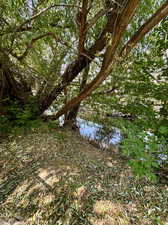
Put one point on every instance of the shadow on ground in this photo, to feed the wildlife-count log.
(58, 178)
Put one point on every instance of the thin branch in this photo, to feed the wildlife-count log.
(107, 92)
(35, 8)
(25, 27)
(160, 14)
(92, 21)
(117, 3)
(90, 58)
(30, 45)
(43, 11)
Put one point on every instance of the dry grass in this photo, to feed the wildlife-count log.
(55, 177)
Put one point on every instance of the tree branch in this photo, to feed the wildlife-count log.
(81, 62)
(43, 11)
(160, 14)
(107, 66)
(92, 21)
(107, 92)
(25, 27)
(30, 45)
(105, 70)
(82, 23)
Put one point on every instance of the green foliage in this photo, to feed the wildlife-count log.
(140, 91)
(18, 116)
(163, 130)
(5, 125)
(140, 147)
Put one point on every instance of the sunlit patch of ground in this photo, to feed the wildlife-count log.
(55, 177)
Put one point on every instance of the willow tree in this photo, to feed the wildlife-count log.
(45, 46)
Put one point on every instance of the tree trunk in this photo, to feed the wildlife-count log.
(121, 24)
(11, 88)
(70, 117)
(82, 61)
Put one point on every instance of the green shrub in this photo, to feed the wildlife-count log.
(18, 116)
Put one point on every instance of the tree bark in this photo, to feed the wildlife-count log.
(11, 89)
(72, 114)
(109, 59)
(83, 60)
(161, 13)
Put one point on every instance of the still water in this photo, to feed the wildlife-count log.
(106, 139)
(98, 133)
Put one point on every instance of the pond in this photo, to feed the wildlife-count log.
(99, 134)
(107, 138)
(110, 138)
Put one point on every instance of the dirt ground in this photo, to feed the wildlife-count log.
(54, 177)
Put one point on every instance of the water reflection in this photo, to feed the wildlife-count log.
(96, 132)
(108, 138)
(111, 138)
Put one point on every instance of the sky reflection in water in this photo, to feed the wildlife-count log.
(96, 132)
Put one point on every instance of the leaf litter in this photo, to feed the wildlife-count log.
(56, 177)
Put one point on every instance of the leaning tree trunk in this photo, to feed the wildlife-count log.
(70, 117)
(109, 59)
(11, 87)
